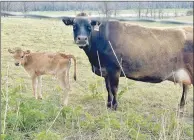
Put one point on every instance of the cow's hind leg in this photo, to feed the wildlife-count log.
(184, 95)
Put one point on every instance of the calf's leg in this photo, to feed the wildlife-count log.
(64, 86)
(40, 87)
(34, 86)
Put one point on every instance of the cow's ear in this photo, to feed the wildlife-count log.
(10, 51)
(94, 22)
(68, 21)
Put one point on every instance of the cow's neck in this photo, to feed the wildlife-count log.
(91, 52)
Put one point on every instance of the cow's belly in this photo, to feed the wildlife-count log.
(150, 72)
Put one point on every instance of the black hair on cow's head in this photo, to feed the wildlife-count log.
(82, 28)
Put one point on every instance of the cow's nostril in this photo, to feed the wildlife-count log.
(86, 38)
(78, 38)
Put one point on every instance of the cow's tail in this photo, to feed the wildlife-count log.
(74, 59)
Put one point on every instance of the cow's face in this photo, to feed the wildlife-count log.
(82, 28)
(19, 56)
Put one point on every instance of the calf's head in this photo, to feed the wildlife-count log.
(19, 56)
(82, 28)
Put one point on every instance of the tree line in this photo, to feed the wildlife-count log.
(107, 8)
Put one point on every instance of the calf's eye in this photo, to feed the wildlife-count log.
(22, 57)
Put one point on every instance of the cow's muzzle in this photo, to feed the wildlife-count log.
(82, 41)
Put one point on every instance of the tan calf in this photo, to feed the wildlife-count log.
(41, 63)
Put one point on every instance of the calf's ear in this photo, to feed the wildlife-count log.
(27, 52)
(10, 51)
(68, 21)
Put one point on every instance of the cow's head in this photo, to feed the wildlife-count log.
(19, 56)
(82, 28)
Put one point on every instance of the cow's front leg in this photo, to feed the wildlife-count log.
(114, 81)
(109, 102)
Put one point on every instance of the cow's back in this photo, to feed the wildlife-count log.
(147, 51)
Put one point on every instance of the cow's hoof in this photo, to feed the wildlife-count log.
(109, 104)
(114, 107)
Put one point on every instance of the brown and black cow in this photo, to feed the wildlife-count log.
(147, 54)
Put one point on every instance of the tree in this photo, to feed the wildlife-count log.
(35, 7)
(160, 13)
(80, 6)
(105, 9)
(115, 8)
(53, 6)
(6, 6)
(25, 7)
(139, 9)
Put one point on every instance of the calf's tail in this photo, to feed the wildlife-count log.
(74, 59)
(75, 66)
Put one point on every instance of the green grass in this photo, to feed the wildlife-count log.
(146, 111)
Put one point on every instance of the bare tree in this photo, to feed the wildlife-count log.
(116, 9)
(147, 9)
(35, 7)
(53, 6)
(80, 6)
(160, 13)
(139, 9)
(175, 12)
(3, 6)
(6, 6)
(25, 7)
(105, 9)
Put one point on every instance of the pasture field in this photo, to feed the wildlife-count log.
(146, 111)
(185, 18)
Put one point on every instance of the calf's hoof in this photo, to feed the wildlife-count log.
(40, 98)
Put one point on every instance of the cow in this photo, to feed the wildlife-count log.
(117, 49)
(37, 64)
